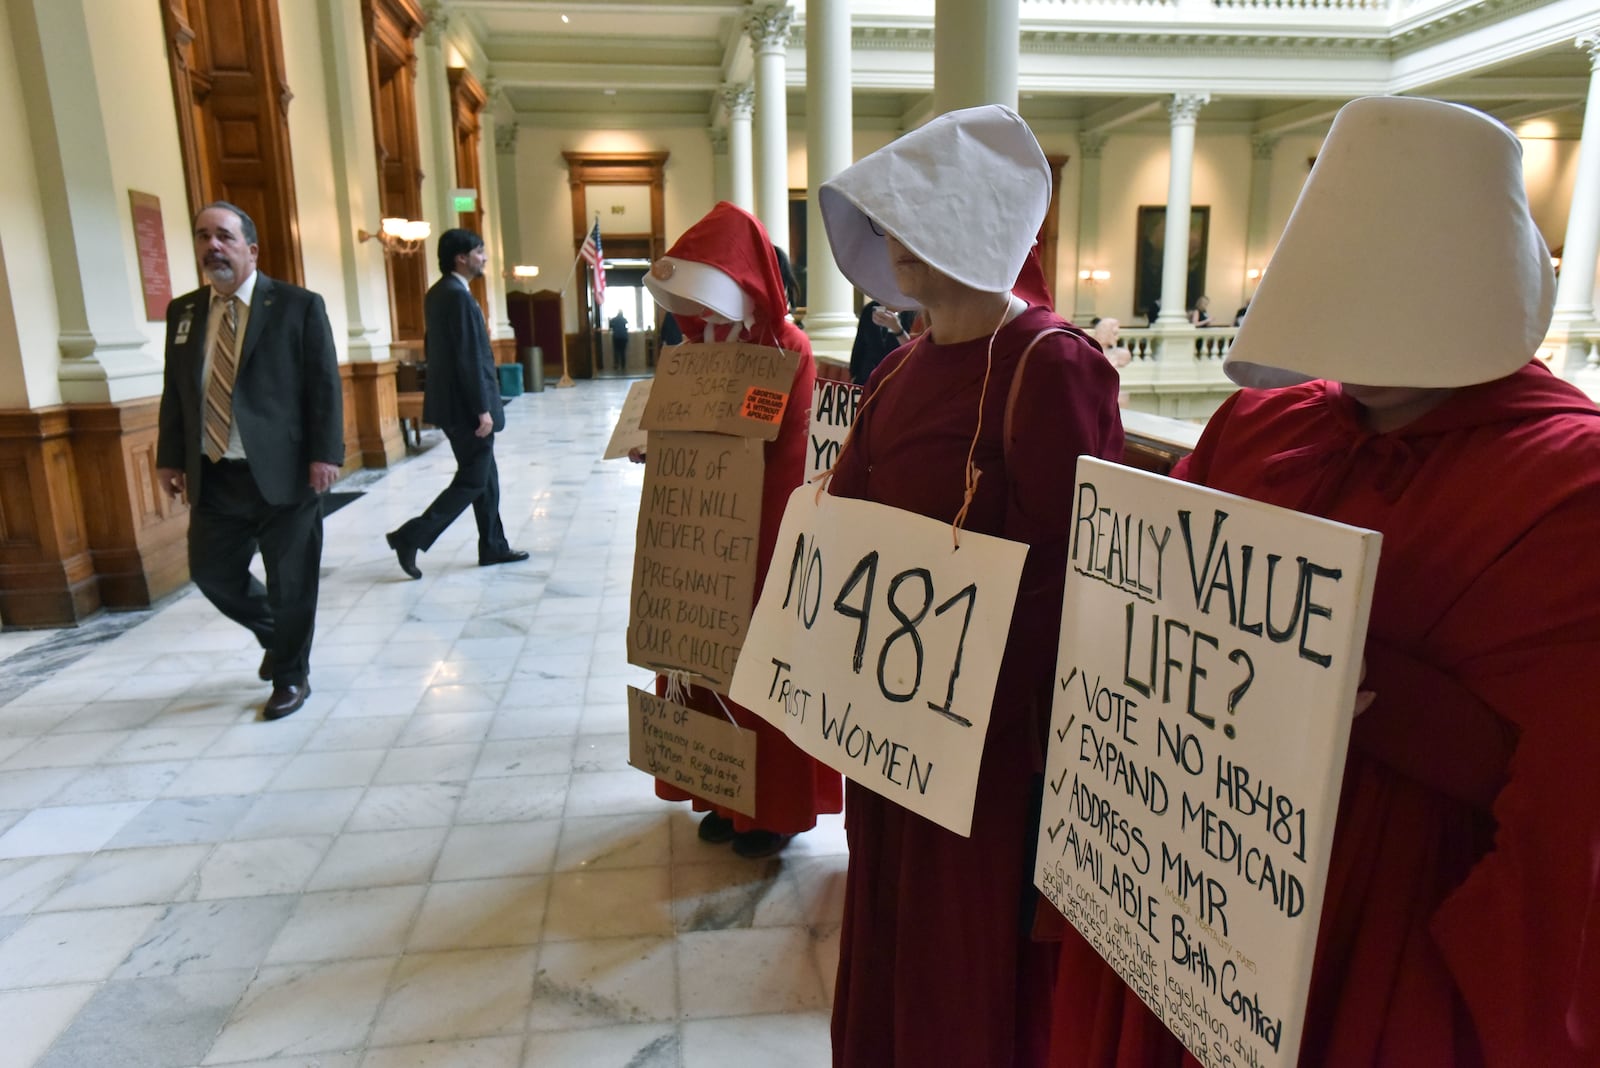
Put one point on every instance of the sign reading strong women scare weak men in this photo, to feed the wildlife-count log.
(1209, 659)
(732, 387)
(876, 646)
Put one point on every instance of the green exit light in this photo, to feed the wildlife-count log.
(466, 204)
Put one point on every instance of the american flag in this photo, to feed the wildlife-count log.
(590, 252)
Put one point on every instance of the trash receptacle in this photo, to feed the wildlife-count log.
(511, 380)
(533, 363)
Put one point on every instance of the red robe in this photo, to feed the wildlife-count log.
(792, 789)
(1462, 867)
(936, 966)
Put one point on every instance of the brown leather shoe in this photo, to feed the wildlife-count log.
(264, 672)
(286, 700)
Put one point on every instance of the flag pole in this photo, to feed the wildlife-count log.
(566, 381)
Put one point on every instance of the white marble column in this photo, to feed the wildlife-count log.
(494, 275)
(106, 354)
(721, 178)
(1575, 288)
(829, 128)
(1091, 145)
(975, 48)
(768, 28)
(1184, 108)
(741, 102)
(1256, 251)
(510, 221)
(435, 82)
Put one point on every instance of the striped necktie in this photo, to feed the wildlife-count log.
(219, 389)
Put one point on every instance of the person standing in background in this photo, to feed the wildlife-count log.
(619, 341)
(462, 398)
(879, 331)
(252, 429)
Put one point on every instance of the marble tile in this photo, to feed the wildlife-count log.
(373, 732)
(299, 1009)
(796, 1040)
(164, 743)
(601, 842)
(601, 752)
(348, 925)
(66, 750)
(29, 789)
(260, 867)
(379, 858)
(109, 784)
(150, 1023)
(379, 701)
(457, 670)
(208, 936)
(604, 983)
(430, 763)
(261, 739)
(71, 947)
(289, 813)
(27, 883)
(490, 850)
(524, 756)
(153, 876)
(446, 728)
(636, 1046)
(204, 778)
(747, 973)
(329, 770)
(470, 1053)
(437, 997)
(733, 894)
(30, 721)
(609, 904)
(536, 722)
(31, 1020)
(481, 914)
(614, 793)
(460, 698)
(183, 821)
(67, 829)
(393, 808)
(522, 797)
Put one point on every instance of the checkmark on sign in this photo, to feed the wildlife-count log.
(1061, 735)
(1053, 831)
(1055, 787)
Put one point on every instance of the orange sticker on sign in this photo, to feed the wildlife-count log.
(764, 405)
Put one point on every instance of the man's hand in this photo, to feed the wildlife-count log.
(171, 481)
(636, 454)
(485, 425)
(323, 476)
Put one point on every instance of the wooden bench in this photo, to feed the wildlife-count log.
(410, 408)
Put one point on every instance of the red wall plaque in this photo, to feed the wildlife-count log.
(151, 241)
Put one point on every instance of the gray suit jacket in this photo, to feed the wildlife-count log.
(288, 402)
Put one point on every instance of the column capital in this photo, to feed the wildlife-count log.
(768, 27)
(1262, 146)
(1590, 43)
(740, 100)
(505, 137)
(1091, 143)
(1185, 107)
(719, 140)
(438, 21)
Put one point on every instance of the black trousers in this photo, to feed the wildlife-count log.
(477, 483)
(226, 527)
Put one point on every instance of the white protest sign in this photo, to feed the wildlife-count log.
(876, 645)
(627, 434)
(833, 412)
(730, 387)
(694, 566)
(1210, 654)
(698, 753)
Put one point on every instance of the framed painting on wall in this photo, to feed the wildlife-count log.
(1150, 242)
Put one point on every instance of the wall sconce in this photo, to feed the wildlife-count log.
(1094, 277)
(521, 275)
(1253, 274)
(399, 235)
(1555, 264)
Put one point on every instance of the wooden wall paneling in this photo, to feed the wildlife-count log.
(137, 535)
(392, 27)
(467, 100)
(352, 420)
(46, 574)
(371, 391)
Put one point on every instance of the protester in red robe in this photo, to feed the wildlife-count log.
(1462, 873)
(936, 966)
(721, 282)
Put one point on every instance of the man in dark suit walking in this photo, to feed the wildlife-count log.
(462, 398)
(252, 428)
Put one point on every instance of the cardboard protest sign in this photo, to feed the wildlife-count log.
(732, 387)
(833, 412)
(694, 568)
(627, 434)
(698, 753)
(876, 646)
(1210, 654)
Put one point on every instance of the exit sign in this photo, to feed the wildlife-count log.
(465, 200)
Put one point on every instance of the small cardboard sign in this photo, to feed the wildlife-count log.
(833, 412)
(707, 756)
(694, 566)
(731, 387)
(876, 647)
(1209, 657)
(627, 434)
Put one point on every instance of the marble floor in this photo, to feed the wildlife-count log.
(443, 860)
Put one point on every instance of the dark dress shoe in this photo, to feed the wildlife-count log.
(264, 672)
(286, 700)
(716, 829)
(510, 556)
(406, 554)
(754, 845)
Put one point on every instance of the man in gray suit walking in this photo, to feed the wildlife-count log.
(252, 428)
(462, 398)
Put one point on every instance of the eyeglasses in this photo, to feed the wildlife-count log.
(875, 227)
